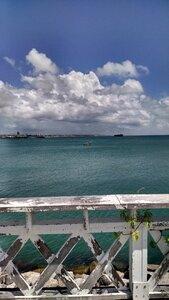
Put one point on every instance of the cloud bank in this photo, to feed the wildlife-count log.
(75, 102)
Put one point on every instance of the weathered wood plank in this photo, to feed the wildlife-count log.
(117, 280)
(9, 267)
(12, 252)
(65, 227)
(16, 277)
(52, 226)
(58, 203)
(93, 245)
(69, 281)
(107, 202)
(42, 247)
(139, 201)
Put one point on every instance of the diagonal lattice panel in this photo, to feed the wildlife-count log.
(104, 263)
(99, 253)
(6, 264)
(55, 263)
(164, 266)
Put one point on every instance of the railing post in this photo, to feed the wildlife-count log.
(138, 262)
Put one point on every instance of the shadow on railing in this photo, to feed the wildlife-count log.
(132, 225)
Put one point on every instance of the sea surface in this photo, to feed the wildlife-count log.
(72, 166)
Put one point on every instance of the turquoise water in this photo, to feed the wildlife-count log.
(64, 166)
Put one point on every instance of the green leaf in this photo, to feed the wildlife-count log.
(148, 224)
(132, 222)
(135, 235)
(116, 235)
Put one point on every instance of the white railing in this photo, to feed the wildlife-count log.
(130, 226)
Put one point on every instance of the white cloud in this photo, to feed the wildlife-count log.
(79, 103)
(133, 86)
(74, 98)
(10, 61)
(41, 62)
(125, 69)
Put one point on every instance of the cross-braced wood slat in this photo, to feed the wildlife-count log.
(93, 245)
(70, 283)
(164, 266)
(12, 252)
(8, 266)
(49, 257)
(103, 263)
(55, 263)
(99, 253)
(159, 273)
(43, 248)
(16, 277)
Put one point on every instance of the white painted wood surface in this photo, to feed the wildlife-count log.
(107, 202)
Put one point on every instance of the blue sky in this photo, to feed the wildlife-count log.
(78, 37)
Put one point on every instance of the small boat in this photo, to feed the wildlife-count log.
(87, 143)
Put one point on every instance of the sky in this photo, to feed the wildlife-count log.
(84, 66)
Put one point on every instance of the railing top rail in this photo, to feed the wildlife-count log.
(105, 202)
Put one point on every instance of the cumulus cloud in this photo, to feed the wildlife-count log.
(125, 69)
(79, 103)
(41, 63)
(133, 85)
(75, 98)
(10, 61)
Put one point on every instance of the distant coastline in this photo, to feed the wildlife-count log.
(21, 136)
(31, 136)
(26, 136)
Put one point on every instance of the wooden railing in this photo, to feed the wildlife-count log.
(31, 228)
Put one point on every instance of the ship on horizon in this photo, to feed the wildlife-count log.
(119, 135)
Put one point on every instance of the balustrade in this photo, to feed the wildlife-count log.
(31, 228)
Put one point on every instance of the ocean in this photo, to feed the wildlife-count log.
(82, 166)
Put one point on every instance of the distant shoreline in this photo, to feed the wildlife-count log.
(35, 136)
(23, 136)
